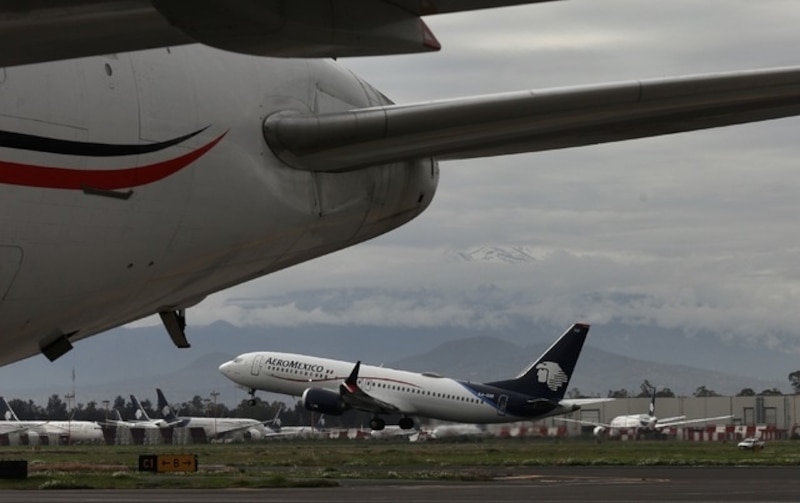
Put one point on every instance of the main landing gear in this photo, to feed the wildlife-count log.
(377, 423)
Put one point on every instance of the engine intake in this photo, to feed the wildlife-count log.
(323, 401)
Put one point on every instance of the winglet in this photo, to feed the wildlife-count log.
(351, 383)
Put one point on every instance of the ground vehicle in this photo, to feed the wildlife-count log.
(751, 443)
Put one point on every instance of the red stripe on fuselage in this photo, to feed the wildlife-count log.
(29, 175)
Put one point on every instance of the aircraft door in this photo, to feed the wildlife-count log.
(502, 404)
(257, 361)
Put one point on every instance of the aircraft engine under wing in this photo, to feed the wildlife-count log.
(47, 30)
(531, 121)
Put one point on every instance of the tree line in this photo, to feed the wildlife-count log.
(57, 409)
(646, 390)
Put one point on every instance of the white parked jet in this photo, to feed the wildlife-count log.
(69, 431)
(142, 419)
(333, 386)
(123, 169)
(214, 427)
(640, 424)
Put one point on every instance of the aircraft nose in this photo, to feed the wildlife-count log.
(226, 368)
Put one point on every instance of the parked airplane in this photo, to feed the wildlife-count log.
(120, 174)
(141, 419)
(640, 424)
(69, 431)
(326, 387)
(458, 430)
(277, 430)
(214, 427)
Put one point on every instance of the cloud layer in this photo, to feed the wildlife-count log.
(694, 231)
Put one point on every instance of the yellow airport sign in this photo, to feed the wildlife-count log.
(164, 463)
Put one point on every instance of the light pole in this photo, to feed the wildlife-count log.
(214, 395)
(69, 397)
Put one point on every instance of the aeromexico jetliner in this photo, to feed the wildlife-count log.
(333, 386)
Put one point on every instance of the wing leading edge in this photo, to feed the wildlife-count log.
(531, 121)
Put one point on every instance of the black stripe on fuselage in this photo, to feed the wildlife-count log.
(35, 143)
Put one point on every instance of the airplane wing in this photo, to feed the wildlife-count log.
(660, 424)
(531, 121)
(357, 398)
(671, 419)
(580, 421)
(48, 30)
(583, 401)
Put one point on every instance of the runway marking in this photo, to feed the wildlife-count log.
(549, 479)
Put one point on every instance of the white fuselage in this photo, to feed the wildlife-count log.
(73, 431)
(75, 260)
(220, 427)
(414, 394)
(631, 423)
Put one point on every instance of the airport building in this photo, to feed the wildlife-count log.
(770, 416)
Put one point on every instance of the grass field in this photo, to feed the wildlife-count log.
(324, 462)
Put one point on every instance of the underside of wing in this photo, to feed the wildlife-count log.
(531, 121)
(428, 7)
(582, 422)
(360, 400)
(47, 30)
(584, 401)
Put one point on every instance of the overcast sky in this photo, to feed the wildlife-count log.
(698, 231)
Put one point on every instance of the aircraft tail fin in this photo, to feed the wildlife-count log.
(6, 411)
(164, 407)
(140, 413)
(548, 377)
(652, 410)
(275, 423)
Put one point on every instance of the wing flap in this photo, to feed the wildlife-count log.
(531, 121)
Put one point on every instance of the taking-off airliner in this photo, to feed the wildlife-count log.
(153, 152)
(333, 387)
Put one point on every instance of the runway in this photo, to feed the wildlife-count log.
(541, 484)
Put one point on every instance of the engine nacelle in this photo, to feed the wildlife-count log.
(323, 401)
(599, 431)
(253, 434)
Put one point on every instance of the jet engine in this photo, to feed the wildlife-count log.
(323, 401)
(253, 434)
(599, 431)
